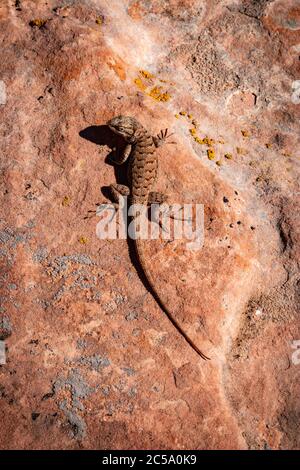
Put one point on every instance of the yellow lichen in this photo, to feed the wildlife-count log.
(66, 201)
(269, 146)
(195, 123)
(219, 163)
(99, 20)
(228, 156)
(190, 116)
(157, 94)
(211, 154)
(209, 142)
(140, 84)
(177, 116)
(83, 240)
(38, 22)
(192, 131)
(198, 140)
(146, 74)
(182, 113)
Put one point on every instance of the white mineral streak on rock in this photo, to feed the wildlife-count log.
(2, 92)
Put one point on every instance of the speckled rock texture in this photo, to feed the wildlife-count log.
(92, 362)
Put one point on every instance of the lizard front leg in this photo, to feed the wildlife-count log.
(121, 157)
(161, 138)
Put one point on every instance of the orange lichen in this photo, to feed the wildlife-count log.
(118, 66)
(228, 156)
(182, 113)
(219, 163)
(99, 20)
(268, 146)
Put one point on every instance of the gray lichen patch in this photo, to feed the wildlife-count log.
(83, 279)
(209, 68)
(79, 390)
(128, 371)
(40, 255)
(60, 264)
(132, 315)
(76, 384)
(95, 362)
(13, 237)
(77, 423)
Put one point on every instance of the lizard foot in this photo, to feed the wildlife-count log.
(101, 207)
(161, 138)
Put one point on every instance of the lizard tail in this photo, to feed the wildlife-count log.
(139, 246)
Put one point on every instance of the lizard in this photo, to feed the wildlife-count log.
(140, 151)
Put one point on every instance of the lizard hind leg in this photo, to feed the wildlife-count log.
(155, 197)
(117, 191)
(155, 200)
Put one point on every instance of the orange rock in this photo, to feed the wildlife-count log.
(92, 362)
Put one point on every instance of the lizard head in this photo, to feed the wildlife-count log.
(125, 126)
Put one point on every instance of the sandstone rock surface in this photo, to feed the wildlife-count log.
(92, 361)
